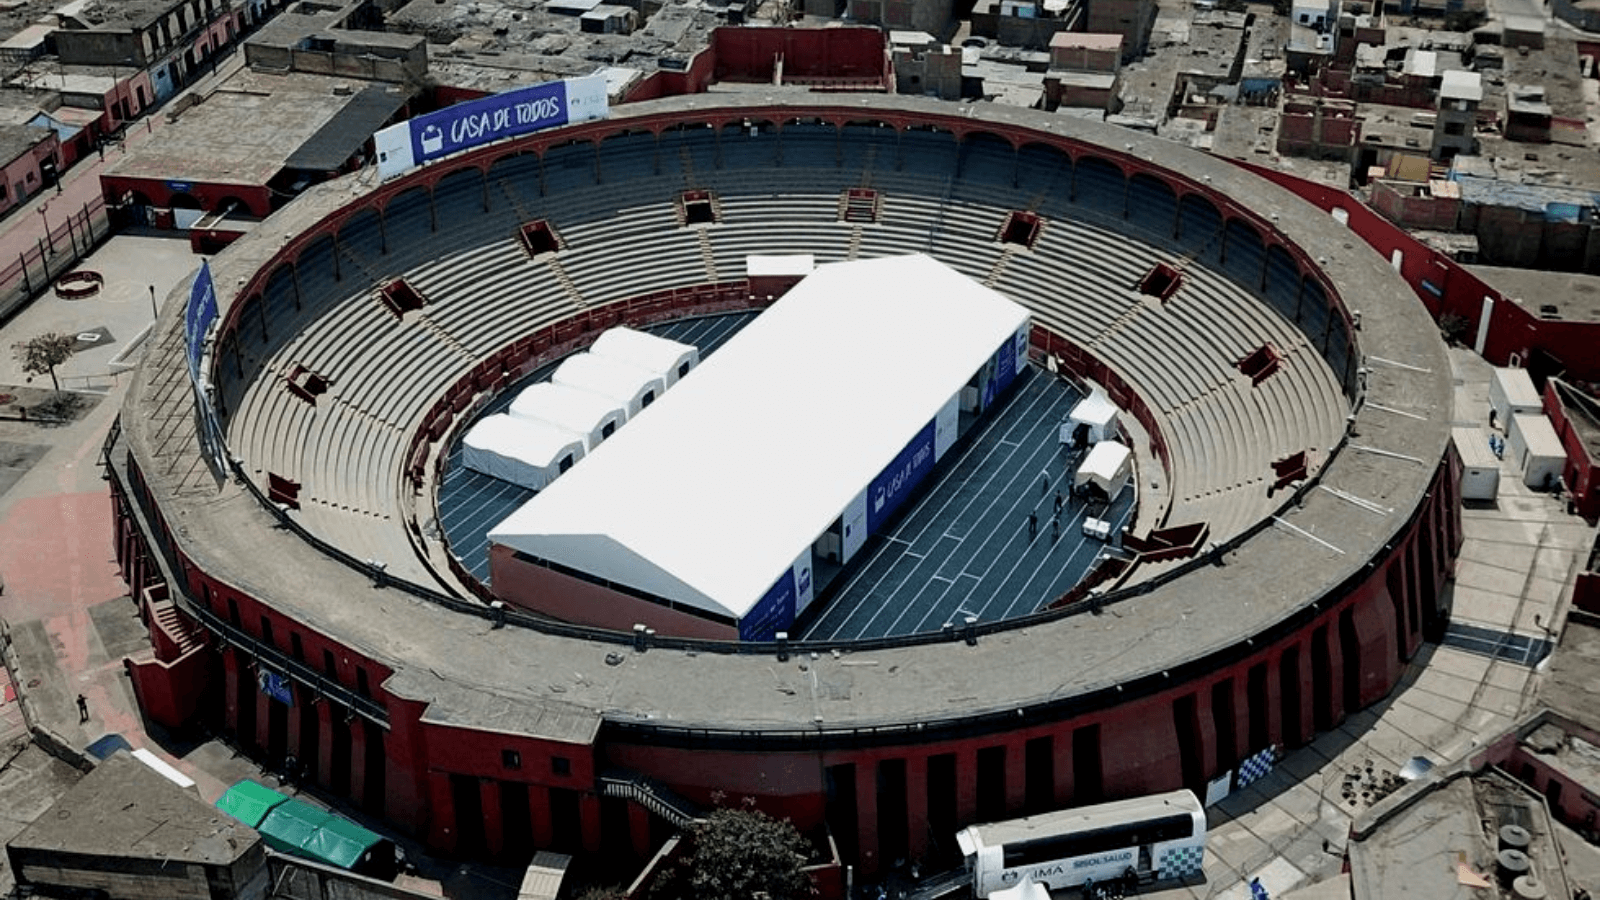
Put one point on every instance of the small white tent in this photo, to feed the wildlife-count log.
(1026, 889)
(522, 451)
(1095, 411)
(628, 385)
(591, 416)
(1107, 467)
(667, 358)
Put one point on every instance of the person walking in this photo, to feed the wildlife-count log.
(1033, 525)
(1044, 483)
(1058, 501)
(83, 709)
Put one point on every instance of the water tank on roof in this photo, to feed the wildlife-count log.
(1511, 865)
(1514, 837)
(1529, 888)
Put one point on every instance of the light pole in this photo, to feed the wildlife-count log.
(154, 314)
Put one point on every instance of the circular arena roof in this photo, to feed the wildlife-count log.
(1372, 405)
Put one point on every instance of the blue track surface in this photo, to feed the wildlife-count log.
(962, 549)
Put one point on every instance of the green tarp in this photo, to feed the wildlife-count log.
(250, 802)
(294, 826)
(343, 842)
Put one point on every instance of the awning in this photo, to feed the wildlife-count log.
(341, 137)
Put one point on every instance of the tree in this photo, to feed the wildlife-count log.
(736, 855)
(41, 355)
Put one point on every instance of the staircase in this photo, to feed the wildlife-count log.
(172, 637)
(652, 796)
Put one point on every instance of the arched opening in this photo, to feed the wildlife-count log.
(1100, 186)
(1152, 205)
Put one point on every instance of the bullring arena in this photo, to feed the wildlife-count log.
(317, 562)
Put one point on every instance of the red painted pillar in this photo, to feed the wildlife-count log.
(301, 696)
(966, 787)
(442, 824)
(539, 814)
(917, 806)
(1016, 775)
(1336, 659)
(1061, 746)
(358, 761)
(324, 761)
(230, 690)
(494, 831)
(867, 815)
(639, 829)
(1274, 700)
(589, 821)
(1208, 732)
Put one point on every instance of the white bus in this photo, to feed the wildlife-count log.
(1159, 837)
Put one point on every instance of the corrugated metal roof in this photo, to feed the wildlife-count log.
(330, 146)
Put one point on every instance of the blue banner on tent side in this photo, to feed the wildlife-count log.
(466, 125)
(894, 484)
(198, 315)
(773, 613)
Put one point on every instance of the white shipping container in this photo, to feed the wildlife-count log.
(1480, 473)
(1511, 393)
(1535, 447)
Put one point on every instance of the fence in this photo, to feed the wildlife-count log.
(54, 252)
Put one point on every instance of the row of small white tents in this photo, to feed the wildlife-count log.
(553, 424)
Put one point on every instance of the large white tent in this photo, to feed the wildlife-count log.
(525, 452)
(590, 415)
(668, 359)
(628, 385)
(723, 489)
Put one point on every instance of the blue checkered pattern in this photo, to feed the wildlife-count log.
(1256, 766)
(1182, 862)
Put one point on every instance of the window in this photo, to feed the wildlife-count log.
(649, 398)
(609, 428)
(329, 667)
(683, 370)
(566, 462)
(266, 630)
(295, 646)
(561, 765)
(361, 682)
(510, 759)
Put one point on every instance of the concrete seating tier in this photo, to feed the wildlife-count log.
(619, 221)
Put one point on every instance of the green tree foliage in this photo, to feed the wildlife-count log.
(41, 355)
(738, 855)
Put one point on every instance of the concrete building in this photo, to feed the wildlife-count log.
(923, 65)
(126, 831)
(320, 43)
(1455, 129)
(1084, 71)
(1130, 18)
(29, 157)
(267, 137)
(936, 17)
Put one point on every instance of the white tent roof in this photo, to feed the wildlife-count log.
(1103, 464)
(533, 441)
(1026, 889)
(566, 407)
(736, 471)
(605, 375)
(647, 351)
(1095, 409)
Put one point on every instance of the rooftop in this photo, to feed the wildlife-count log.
(1459, 85)
(125, 808)
(1575, 295)
(15, 140)
(254, 125)
(1086, 40)
(1429, 839)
